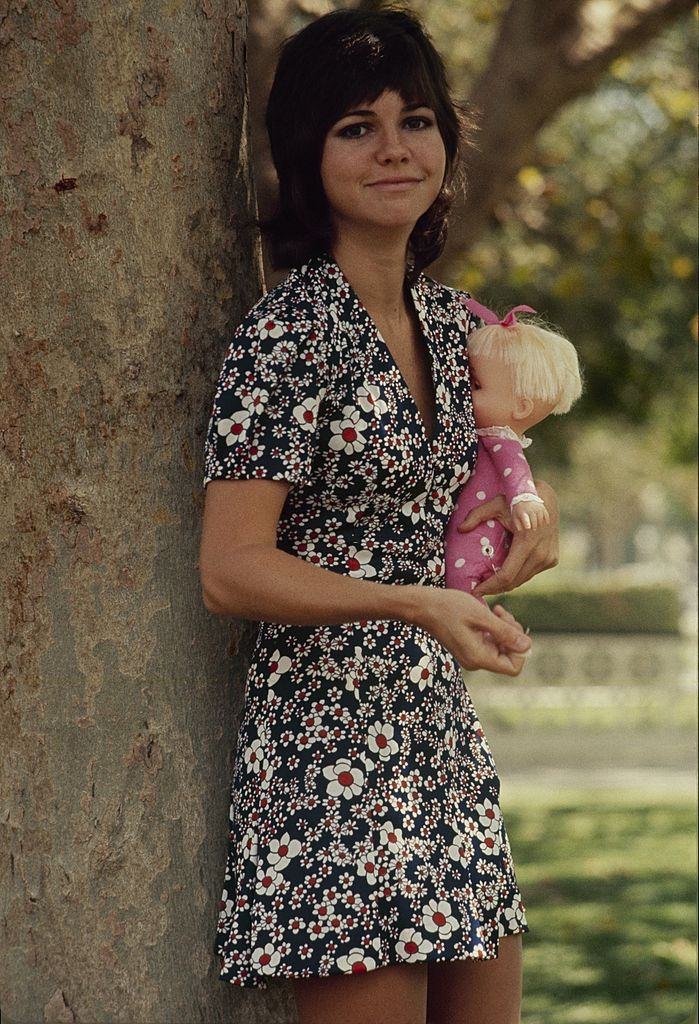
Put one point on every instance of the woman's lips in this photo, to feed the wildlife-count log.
(394, 186)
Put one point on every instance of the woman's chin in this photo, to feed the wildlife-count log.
(393, 218)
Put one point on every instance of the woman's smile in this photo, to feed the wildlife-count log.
(394, 186)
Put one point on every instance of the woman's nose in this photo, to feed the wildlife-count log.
(391, 144)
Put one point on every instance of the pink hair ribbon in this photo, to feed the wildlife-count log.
(489, 317)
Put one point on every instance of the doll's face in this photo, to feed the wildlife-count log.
(494, 402)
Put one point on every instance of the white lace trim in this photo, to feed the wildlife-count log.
(526, 497)
(507, 432)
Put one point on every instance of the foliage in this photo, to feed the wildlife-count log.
(589, 607)
(599, 234)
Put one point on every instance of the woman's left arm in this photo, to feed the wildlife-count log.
(531, 551)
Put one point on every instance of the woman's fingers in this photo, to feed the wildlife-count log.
(531, 552)
(509, 575)
(488, 655)
(541, 557)
(508, 616)
(506, 634)
(496, 508)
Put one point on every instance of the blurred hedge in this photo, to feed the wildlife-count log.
(594, 607)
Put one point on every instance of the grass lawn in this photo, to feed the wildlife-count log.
(609, 883)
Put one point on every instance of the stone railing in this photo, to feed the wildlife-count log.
(574, 659)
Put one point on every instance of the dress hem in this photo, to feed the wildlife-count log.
(259, 980)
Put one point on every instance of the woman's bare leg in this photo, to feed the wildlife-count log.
(387, 995)
(478, 991)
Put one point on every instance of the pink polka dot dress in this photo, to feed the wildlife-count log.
(365, 826)
(473, 557)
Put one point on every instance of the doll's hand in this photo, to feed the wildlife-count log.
(529, 515)
(531, 551)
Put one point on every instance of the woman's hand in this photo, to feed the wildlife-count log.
(531, 552)
(476, 636)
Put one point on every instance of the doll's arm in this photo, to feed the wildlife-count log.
(528, 512)
(527, 507)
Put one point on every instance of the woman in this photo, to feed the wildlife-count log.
(367, 852)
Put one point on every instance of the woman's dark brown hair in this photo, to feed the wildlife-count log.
(337, 62)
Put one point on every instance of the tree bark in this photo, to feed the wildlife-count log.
(125, 264)
(270, 23)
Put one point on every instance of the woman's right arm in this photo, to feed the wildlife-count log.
(245, 576)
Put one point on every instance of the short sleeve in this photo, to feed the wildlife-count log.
(468, 320)
(274, 377)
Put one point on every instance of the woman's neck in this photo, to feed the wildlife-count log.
(377, 276)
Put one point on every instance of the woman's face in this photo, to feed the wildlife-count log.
(383, 141)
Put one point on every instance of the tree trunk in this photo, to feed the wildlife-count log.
(125, 264)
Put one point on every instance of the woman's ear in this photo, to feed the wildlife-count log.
(523, 407)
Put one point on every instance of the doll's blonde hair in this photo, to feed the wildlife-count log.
(544, 364)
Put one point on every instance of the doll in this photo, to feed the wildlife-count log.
(520, 373)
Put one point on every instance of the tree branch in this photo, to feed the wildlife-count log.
(544, 56)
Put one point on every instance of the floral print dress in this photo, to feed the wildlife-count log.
(365, 827)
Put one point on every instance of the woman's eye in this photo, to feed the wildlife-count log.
(347, 132)
(344, 132)
(426, 120)
(475, 385)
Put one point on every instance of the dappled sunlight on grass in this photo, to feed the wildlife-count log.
(609, 884)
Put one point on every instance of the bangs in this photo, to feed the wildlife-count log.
(364, 66)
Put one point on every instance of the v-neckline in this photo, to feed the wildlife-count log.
(425, 334)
